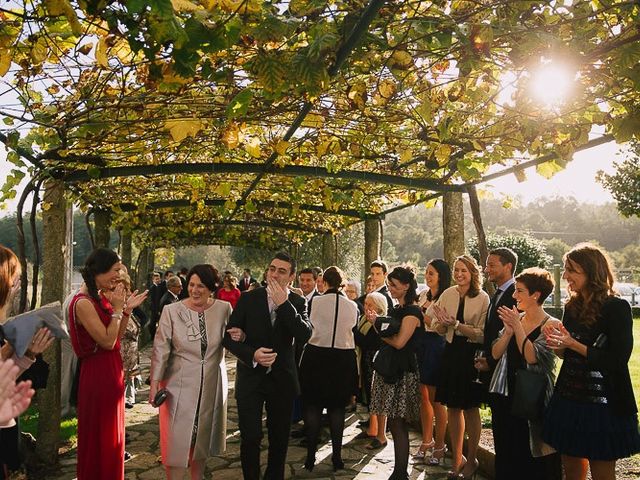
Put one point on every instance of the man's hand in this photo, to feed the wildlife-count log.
(265, 356)
(236, 334)
(276, 292)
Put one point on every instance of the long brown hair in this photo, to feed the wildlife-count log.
(9, 267)
(586, 304)
(476, 277)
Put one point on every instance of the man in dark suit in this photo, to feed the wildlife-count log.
(500, 268)
(378, 271)
(183, 279)
(261, 332)
(246, 280)
(172, 295)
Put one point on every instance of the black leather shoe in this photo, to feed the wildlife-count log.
(127, 456)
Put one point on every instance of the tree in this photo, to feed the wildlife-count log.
(624, 185)
(531, 252)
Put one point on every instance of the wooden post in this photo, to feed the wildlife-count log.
(483, 250)
(329, 250)
(56, 227)
(125, 249)
(102, 222)
(452, 226)
(372, 243)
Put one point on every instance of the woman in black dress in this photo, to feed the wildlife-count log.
(328, 372)
(461, 311)
(521, 345)
(592, 418)
(398, 401)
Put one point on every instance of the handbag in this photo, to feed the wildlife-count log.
(528, 397)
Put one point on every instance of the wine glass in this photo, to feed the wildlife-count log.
(477, 356)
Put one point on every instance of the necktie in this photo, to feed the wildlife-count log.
(496, 297)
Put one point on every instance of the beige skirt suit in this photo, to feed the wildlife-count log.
(178, 365)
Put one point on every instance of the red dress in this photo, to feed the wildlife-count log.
(231, 296)
(100, 401)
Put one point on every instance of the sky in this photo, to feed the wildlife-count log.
(577, 180)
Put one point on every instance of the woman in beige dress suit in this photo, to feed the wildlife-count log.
(188, 361)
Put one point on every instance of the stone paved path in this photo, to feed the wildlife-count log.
(360, 463)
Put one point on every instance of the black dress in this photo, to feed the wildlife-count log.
(592, 413)
(456, 387)
(511, 433)
(400, 399)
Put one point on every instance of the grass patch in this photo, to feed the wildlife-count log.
(68, 426)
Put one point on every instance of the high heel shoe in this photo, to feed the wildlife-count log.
(436, 457)
(474, 470)
(456, 474)
(424, 450)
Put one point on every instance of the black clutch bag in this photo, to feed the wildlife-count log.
(387, 326)
(161, 396)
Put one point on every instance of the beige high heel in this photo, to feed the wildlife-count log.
(457, 474)
(424, 450)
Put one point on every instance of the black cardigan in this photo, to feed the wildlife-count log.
(612, 359)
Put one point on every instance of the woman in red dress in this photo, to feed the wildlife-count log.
(98, 318)
(229, 291)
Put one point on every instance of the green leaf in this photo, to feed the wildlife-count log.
(93, 172)
(14, 158)
(240, 104)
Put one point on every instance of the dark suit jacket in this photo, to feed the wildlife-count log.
(493, 324)
(167, 299)
(185, 291)
(241, 283)
(252, 316)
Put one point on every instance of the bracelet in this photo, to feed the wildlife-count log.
(455, 325)
(117, 315)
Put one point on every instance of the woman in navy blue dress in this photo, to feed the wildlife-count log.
(592, 417)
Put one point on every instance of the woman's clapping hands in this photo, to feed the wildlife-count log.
(14, 399)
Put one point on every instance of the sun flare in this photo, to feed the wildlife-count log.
(551, 84)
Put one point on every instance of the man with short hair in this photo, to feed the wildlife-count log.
(172, 295)
(500, 269)
(182, 275)
(246, 280)
(307, 282)
(378, 271)
(261, 334)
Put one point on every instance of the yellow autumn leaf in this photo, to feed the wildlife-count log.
(442, 153)
(252, 146)
(39, 51)
(322, 147)
(181, 129)
(184, 6)
(401, 59)
(313, 120)
(281, 147)
(387, 88)
(239, 6)
(406, 154)
(101, 54)
(232, 136)
(5, 61)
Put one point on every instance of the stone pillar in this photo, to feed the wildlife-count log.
(329, 250)
(102, 222)
(372, 242)
(56, 246)
(452, 226)
(125, 249)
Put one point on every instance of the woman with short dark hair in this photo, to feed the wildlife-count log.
(98, 317)
(328, 371)
(521, 345)
(188, 363)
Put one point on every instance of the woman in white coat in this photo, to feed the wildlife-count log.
(188, 361)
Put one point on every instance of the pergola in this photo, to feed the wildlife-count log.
(267, 123)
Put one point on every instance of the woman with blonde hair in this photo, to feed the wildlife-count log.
(459, 315)
(592, 418)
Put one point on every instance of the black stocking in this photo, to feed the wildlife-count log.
(400, 434)
(311, 415)
(336, 426)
